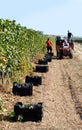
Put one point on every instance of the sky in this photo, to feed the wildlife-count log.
(53, 17)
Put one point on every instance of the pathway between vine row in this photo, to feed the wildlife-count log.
(59, 110)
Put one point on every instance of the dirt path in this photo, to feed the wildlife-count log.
(58, 100)
(60, 93)
(78, 50)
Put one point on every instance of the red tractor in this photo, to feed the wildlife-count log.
(63, 48)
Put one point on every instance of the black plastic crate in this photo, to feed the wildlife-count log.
(22, 89)
(43, 61)
(36, 80)
(30, 112)
(42, 68)
(48, 57)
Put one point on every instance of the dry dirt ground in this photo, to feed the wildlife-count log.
(61, 94)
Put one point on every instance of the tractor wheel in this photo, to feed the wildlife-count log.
(71, 55)
(61, 54)
(57, 53)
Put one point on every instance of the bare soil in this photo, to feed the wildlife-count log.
(61, 94)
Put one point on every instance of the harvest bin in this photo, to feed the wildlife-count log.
(48, 57)
(43, 61)
(29, 112)
(42, 68)
(22, 89)
(36, 80)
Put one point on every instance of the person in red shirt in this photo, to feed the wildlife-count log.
(49, 46)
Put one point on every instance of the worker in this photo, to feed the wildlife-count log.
(65, 43)
(69, 36)
(49, 46)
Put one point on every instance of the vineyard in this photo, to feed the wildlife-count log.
(52, 95)
(19, 47)
(77, 39)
